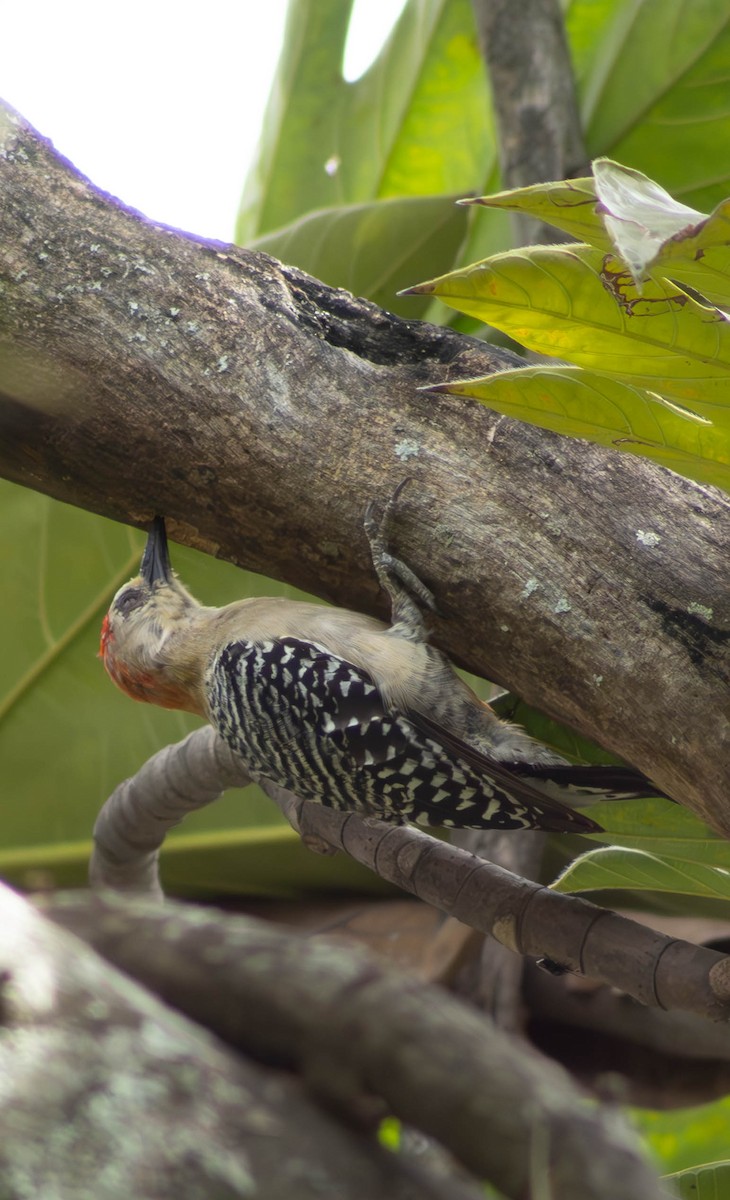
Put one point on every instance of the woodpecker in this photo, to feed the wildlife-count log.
(341, 708)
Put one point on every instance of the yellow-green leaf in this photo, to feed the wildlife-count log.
(576, 302)
(662, 828)
(617, 209)
(709, 1182)
(569, 205)
(620, 868)
(700, 256)
(583, 404)
(625, 212)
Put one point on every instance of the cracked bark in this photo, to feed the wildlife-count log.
(144, 371)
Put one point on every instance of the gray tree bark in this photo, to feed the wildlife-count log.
(107, 1093)
(144, 371)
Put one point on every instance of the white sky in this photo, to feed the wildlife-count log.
(158, 102)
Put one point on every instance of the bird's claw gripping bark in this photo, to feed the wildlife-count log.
(405, 589)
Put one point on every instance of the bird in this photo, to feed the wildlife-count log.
(343, 709)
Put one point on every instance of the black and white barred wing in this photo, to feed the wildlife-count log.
(573, 783)
(316, 724)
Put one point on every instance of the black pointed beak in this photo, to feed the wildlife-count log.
(156, 566)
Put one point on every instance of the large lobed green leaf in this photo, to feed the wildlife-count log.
(352, 179)
(653, 83)
(417, 123)
(372, 249)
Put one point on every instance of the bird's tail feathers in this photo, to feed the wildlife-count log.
(592, 782)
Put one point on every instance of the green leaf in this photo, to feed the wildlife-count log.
(694, 1138)
(652, 830)
(418, 122)
(546, 729)
(709, 1182)
(487, 232)
(575, 302)
(416, 126)
(611, 413)
(637, 220)
(373, 249)
(700, 256)
(659, 827)
(620, 868)
(570, 205)
(262, 860)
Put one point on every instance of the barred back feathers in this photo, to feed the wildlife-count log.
(318, 726)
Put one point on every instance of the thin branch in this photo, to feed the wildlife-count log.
(494, 979)
(524, 916)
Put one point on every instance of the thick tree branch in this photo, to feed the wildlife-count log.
(108, 1093)
(354, 1027)
(142, 371)
(524, 916)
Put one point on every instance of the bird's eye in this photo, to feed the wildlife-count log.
(130, 599)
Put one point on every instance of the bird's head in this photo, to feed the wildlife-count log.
(147, 628)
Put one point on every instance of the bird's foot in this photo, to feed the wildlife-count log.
(406, 591)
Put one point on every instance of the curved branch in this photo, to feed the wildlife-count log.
(524, 916)
(143, 371)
